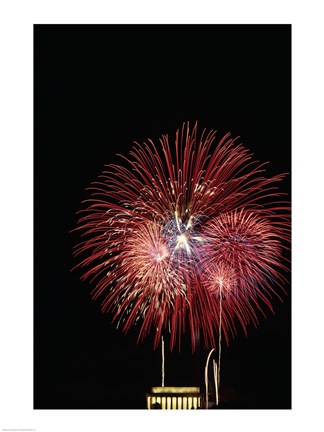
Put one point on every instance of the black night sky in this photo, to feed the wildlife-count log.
(97, 88)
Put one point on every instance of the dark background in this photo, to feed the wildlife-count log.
(98, 88)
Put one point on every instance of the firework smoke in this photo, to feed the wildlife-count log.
(174, 230)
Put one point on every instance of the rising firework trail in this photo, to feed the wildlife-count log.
(178, 230)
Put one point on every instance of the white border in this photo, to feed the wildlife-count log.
(16, 141)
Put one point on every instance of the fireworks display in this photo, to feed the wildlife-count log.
(179, 228)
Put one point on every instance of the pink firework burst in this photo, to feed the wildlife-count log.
(176, 231)
(243, 264)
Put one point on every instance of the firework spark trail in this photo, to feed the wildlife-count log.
(216, 383)
(161, 231)
(219, 336)
(163, 361)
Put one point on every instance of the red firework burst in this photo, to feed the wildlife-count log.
(174, 232)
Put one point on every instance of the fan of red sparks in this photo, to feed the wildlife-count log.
(182, 235)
